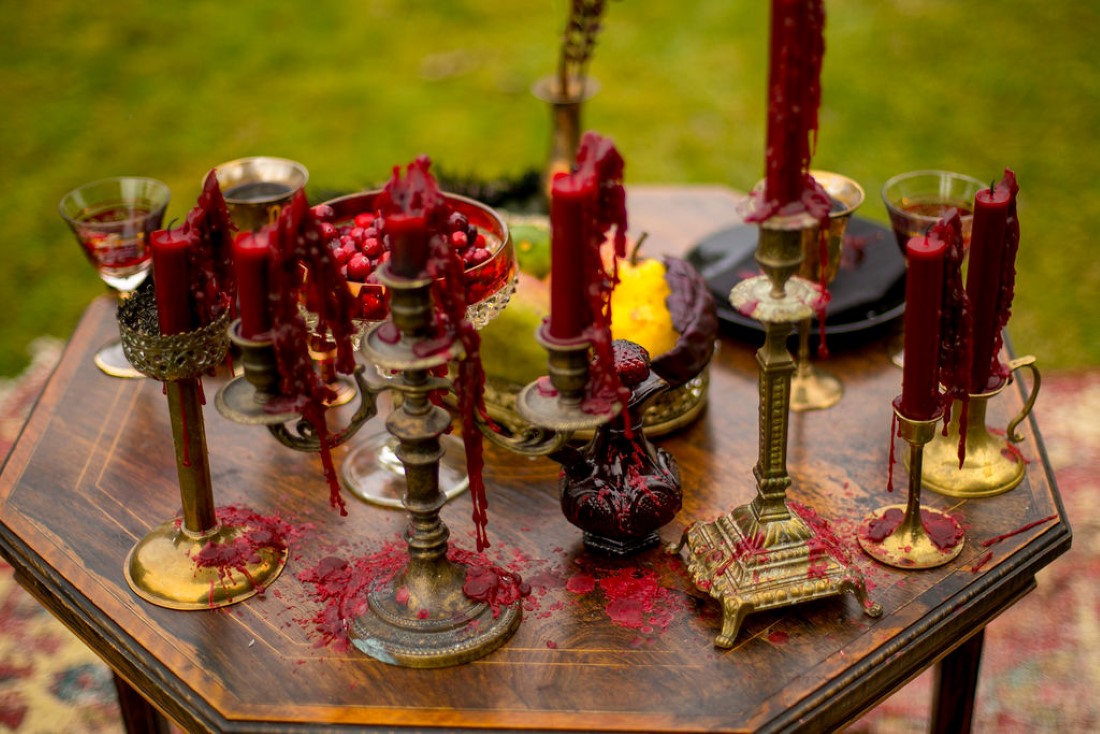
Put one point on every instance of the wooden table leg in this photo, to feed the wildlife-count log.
(956, 684)
(138, 715)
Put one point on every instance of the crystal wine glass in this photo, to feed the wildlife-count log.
(371, 470)
(112, 219)
(916, 200)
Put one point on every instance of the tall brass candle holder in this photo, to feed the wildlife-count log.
(163, 568)
(912, 535)
(991, 467)
(813, 388)
(423, 618)
(763, 555)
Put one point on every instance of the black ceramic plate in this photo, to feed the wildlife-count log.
(869, 289)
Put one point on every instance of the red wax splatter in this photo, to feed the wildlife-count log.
(942, 529)
(982, 561)
(1017, 531)
(552, 645)
(259, 533)
(892, 460)
(991, 277)
(581, 583)
(881, 527)
(778, 637)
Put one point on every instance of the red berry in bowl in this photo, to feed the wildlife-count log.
(358, 267)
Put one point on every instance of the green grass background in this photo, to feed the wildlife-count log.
(352, 87)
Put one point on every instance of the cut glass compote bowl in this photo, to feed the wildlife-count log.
(112, 219)
(371, 470)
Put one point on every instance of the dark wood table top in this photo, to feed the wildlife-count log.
(93, 472)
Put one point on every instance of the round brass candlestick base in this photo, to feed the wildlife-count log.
(909, 546)
(111, 360)
(240, 402)
(814, 389)
(992, 466)
(161, 570)
(344, 390)
(427, 621)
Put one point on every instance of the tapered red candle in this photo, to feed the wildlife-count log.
(571, 199)
(990, 272)
(920, 395)
(408, 235)
(251, 270)
(794, 95)
(171, 250)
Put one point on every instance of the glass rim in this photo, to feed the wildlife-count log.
(237, 172)
(937, 173)
(161, 195)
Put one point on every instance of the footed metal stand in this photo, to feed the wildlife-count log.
(764, 555)
(423, 617)
(162, 567)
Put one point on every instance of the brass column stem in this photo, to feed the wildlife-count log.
(192, 462)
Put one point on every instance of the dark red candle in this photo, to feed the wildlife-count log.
(571, 199)
(794, 94)
(251, 269)
(171, 249)
(992, 262)
(408, 235)
(920, 396)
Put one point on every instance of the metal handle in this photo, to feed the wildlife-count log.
(1036, 379)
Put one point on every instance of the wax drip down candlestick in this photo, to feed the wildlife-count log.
(794, 96)
(991, 278)
(956, 324)
(592, 201)
(296, 245)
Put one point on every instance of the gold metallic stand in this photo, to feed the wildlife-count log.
(162, 568)
(991, 466)
(423, 618)
(813, 388)
(762, 555)
(898, 535)
(565, 121)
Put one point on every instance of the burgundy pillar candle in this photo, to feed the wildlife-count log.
(992, 258)
(794, 94)
(171, 250)
(920, 395)
(251, 270)
(408, 235)
(570, 200)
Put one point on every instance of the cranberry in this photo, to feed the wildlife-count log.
(328, 230)
(364, 219)
(342, 256)
(324, 212)
(358, 267)
(372, 247)
(459, 239)
(475, 256)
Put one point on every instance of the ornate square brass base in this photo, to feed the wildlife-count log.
(750, 566)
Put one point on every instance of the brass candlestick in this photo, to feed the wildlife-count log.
(813, 388)
(565, 120)
(899, 535)
(162, 567)
(423, 618)
(990, 467)
(762, 555)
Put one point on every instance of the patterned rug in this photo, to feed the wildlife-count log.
(1040, 671)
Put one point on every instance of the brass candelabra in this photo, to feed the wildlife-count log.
(764, 555)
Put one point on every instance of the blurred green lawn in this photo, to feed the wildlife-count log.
(352, 88)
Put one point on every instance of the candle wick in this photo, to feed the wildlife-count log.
(637, 248)
(992, 185)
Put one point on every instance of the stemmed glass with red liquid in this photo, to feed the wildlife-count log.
(112, 219)
(918, 199)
